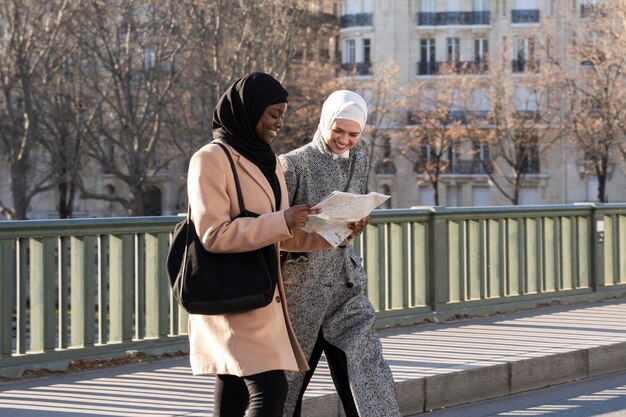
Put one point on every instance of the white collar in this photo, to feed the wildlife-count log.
(345, 155)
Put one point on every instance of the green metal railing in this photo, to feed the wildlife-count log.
(96, 288)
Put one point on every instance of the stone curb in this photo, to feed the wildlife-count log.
(479, 383)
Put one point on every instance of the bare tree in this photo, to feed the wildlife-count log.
(289, 41)
(133, 56)
(524, 120)
(32, 31)
(437, 126)
(64, 122)
(595, 84)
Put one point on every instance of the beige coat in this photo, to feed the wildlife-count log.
(260, 340)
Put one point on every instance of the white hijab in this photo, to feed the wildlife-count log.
(342, 104)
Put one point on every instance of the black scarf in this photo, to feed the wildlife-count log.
(236, 115)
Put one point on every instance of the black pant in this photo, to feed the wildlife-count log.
(338, 365)
(262, 394)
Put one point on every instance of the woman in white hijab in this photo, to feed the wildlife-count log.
(325, 290)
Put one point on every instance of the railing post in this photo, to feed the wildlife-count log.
(374, 240)
(438, 281)
(121, 287)
(157, 302)
(82, 291)
(596, 225)
(42, 290)
(7, 266)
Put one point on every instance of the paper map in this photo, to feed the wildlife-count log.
(339, 209)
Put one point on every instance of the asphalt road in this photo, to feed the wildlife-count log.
(598, 397)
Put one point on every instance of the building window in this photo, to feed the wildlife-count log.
(454, 165)
(481, 50)
(427, 57)
(356, 13)
(386, 189)
(481, 163)
(453, 5)
(480, 103)
(590, 8)
(526, 102)
(357, 6)
(428, 6)
(528, 152)
(350, 52)
(525, 11)
(148, 58)
(593, 48)
(367, 51)
(524, 59)
(480, 5)
(454, 50)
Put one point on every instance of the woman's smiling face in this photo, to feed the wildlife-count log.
(270, 122)
(343, 135)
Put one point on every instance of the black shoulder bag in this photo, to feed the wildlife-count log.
(218, 283)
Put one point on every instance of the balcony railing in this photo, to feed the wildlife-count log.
(355, 20)
(453, 18)
(522, 65)
(427, 68)
(469, 167)
(525, 16)
(358, 68)
(457, 67)
(592, 10)
(463, 116)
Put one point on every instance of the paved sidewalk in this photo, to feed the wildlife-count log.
(434, 365)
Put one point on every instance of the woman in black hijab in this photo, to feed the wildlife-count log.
(248, 351)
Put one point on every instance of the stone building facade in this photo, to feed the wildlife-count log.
(418, 35)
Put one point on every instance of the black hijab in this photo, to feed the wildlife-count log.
(236, 115)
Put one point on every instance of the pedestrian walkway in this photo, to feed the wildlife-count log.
(434, 365)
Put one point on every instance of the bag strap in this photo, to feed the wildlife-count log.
(242, 207)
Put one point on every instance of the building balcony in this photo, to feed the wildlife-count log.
(454, 116)
(592, 10)
(469, 167)
(357, 68)
(355, 20)
(522, 65)
(525, 16)
(458, 67)
(427, 68)
(453, 18)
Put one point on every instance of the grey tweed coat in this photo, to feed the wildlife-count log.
(326, 289)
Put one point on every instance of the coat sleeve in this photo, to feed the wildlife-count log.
(291, 177)
(301, 241)
(208, 186)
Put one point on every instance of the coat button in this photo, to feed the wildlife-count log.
(349, 285)
(278, 298)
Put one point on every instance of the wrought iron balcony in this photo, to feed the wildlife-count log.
(357, 68)
(355, 20)
(453, 18)
(427, 68)
(472, 166)
(525, 16)
(452, 117)
(456, 67)
(592, 10)
(522, 65)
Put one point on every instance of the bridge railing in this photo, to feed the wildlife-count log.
(439, 263)
(96, 288)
